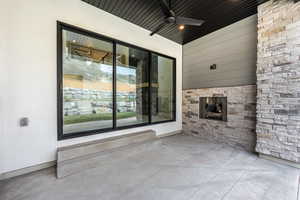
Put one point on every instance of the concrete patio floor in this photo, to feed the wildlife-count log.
(173, 168)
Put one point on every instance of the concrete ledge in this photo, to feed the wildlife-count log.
(78, 150)
(281, 161)
(170, 134)
(76, 158)
(27, 170)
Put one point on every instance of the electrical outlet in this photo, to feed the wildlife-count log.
(213, 67)
(24, 121)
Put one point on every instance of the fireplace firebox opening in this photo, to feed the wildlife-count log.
(214, 108)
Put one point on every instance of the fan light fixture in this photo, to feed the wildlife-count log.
(171, 18)
(181, 27)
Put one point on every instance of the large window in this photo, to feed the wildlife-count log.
(132, 86)
(87, 83)
(163, 90)
(106, 85)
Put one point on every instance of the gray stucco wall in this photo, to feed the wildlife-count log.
(233, 49)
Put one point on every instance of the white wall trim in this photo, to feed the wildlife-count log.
(27, 170)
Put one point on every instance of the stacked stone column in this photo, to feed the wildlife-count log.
(278, 80)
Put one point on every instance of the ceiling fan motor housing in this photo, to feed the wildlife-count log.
(171, 19)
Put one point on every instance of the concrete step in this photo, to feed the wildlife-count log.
(75, 158)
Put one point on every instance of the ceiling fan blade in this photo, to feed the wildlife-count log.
(158, 28)
(165, 8)
(189, 21)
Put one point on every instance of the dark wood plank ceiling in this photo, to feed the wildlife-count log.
(147, 14)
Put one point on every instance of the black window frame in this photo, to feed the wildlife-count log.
(60, 135)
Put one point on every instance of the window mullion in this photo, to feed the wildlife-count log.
(150, 88)
(114, 86)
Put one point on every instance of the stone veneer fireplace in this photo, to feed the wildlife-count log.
(266, 119)
(239, 128)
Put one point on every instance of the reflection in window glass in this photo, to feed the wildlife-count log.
(87, 83)
(162, 88)
(132, 86)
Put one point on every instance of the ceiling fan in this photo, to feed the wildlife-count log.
(171, 18)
